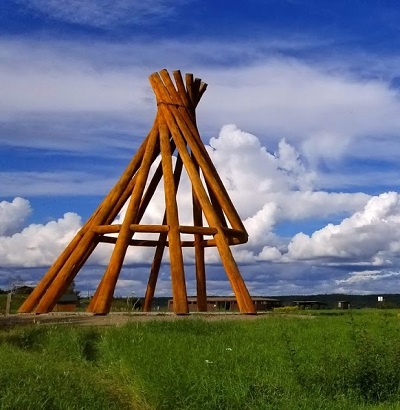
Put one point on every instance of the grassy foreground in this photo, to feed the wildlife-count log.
(336, 360)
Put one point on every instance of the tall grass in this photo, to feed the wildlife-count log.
(340, 361)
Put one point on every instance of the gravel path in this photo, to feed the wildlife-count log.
(116, 319)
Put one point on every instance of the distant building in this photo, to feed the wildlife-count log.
(343, 304)
(228, 304)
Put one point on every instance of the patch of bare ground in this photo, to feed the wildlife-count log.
(119, 319)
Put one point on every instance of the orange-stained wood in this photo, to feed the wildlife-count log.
(200, 269)
(102, 229)
(174, 129)
(175, 250)
(202, 230)
(106, 291)
(154, 271)
(62, 272)
(160, 247)
(174, 120)
(97, 217)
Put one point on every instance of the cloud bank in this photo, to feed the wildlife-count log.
(321, 108)
(268, 188)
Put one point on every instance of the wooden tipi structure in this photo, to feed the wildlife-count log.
(174, 131)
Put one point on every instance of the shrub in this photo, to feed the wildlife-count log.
(286, 309)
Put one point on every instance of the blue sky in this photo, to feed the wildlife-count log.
(301, 119)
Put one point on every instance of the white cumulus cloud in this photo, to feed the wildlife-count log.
(365, 236)
(13, 215)
(37, 244)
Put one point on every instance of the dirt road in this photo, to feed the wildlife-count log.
(115, 319)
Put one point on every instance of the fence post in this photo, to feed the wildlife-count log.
(8, 303)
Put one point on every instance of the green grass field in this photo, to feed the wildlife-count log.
(333, 360)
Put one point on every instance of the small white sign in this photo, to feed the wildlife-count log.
(380, 298)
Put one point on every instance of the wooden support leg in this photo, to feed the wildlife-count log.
(175, 250)
(216, 206)
(162, 240)
(201, 290)
(235, 278)
(154, 271)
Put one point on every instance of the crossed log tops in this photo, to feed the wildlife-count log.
(174, 131)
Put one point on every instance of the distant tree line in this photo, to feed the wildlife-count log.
(356, 301)
(19, 290)
(331, 300)
(26, 290)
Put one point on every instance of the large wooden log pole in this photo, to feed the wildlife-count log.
(162, 242)
(201, 289)
(189, 88)
(175, 251)
(191, 98)
(110, 277)
(154, 271)
(218, 209)
(192, 86)
(102, 229)
(183, 93)
(148, 195)
(173, 117)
